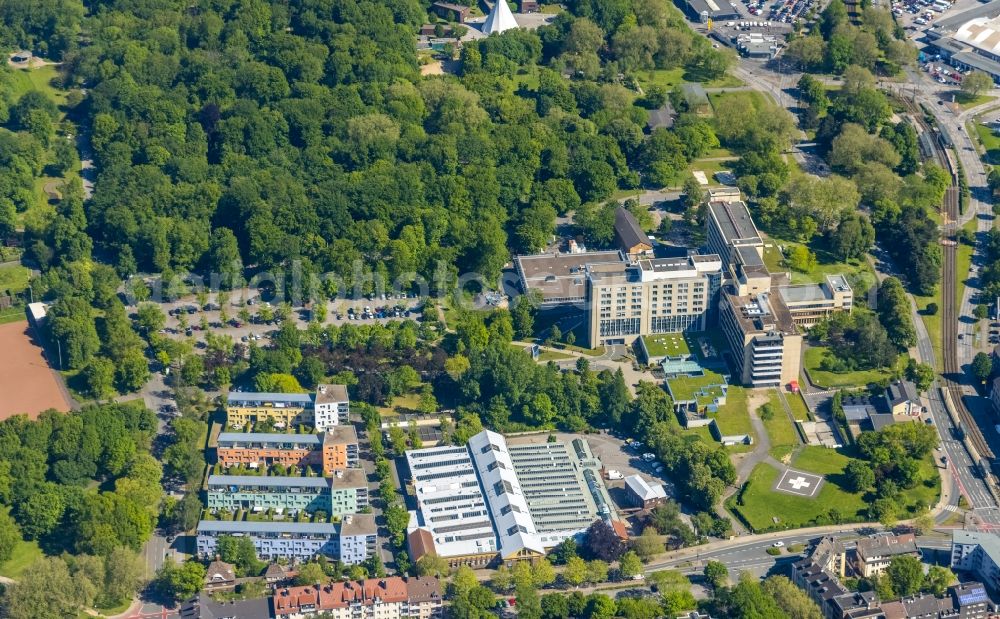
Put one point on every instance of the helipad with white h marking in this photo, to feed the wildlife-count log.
(799, 483)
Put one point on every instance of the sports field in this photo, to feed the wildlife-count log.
(27, 383)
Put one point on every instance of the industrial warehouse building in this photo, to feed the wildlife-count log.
(970, 40)
(493, 501)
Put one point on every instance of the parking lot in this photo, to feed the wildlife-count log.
(257, 318)
(616, 456)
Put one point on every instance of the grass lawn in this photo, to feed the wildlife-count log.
(38, 79)
(932, 322)
(779, 428)
(963, 259)
(668, 78)
(666, 345)
(593, 352)
(759, 505)
(12, 314)
(799, 409)
(966, 102)
(814, 356)
(990, 141)
(751, 97)
(401, 404)
(733, 417)
(107, 612)
(526, 79)
(25, 553)
(14, 278)
(710, 168)
(551, 355)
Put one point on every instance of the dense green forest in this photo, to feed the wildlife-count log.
(257, 133)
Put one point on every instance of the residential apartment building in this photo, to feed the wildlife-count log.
(261, 492)
(357, 536)
(332, 406)
(649, 296)
(345, 493)
(374, 598)
(349, 494)
(819, 575)
(326, 408)
(299, 541)
(977, 553)
(874, 554)
(424, 598)
(333, 450)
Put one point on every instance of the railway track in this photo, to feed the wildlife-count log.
(952, 370)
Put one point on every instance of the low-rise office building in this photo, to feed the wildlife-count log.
(810, 303)
(970, 39)
(560, 279)
(329, 406)
(333, 450)
(902, 399)
(345, 493)
(374, 598)
(643, 494)
(299, 541)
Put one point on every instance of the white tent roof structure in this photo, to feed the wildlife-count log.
(500, 19)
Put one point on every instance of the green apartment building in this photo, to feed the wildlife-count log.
(346, 493)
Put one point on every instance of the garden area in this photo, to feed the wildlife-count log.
(813, 363)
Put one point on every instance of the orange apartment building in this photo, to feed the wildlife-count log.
(334, 450)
